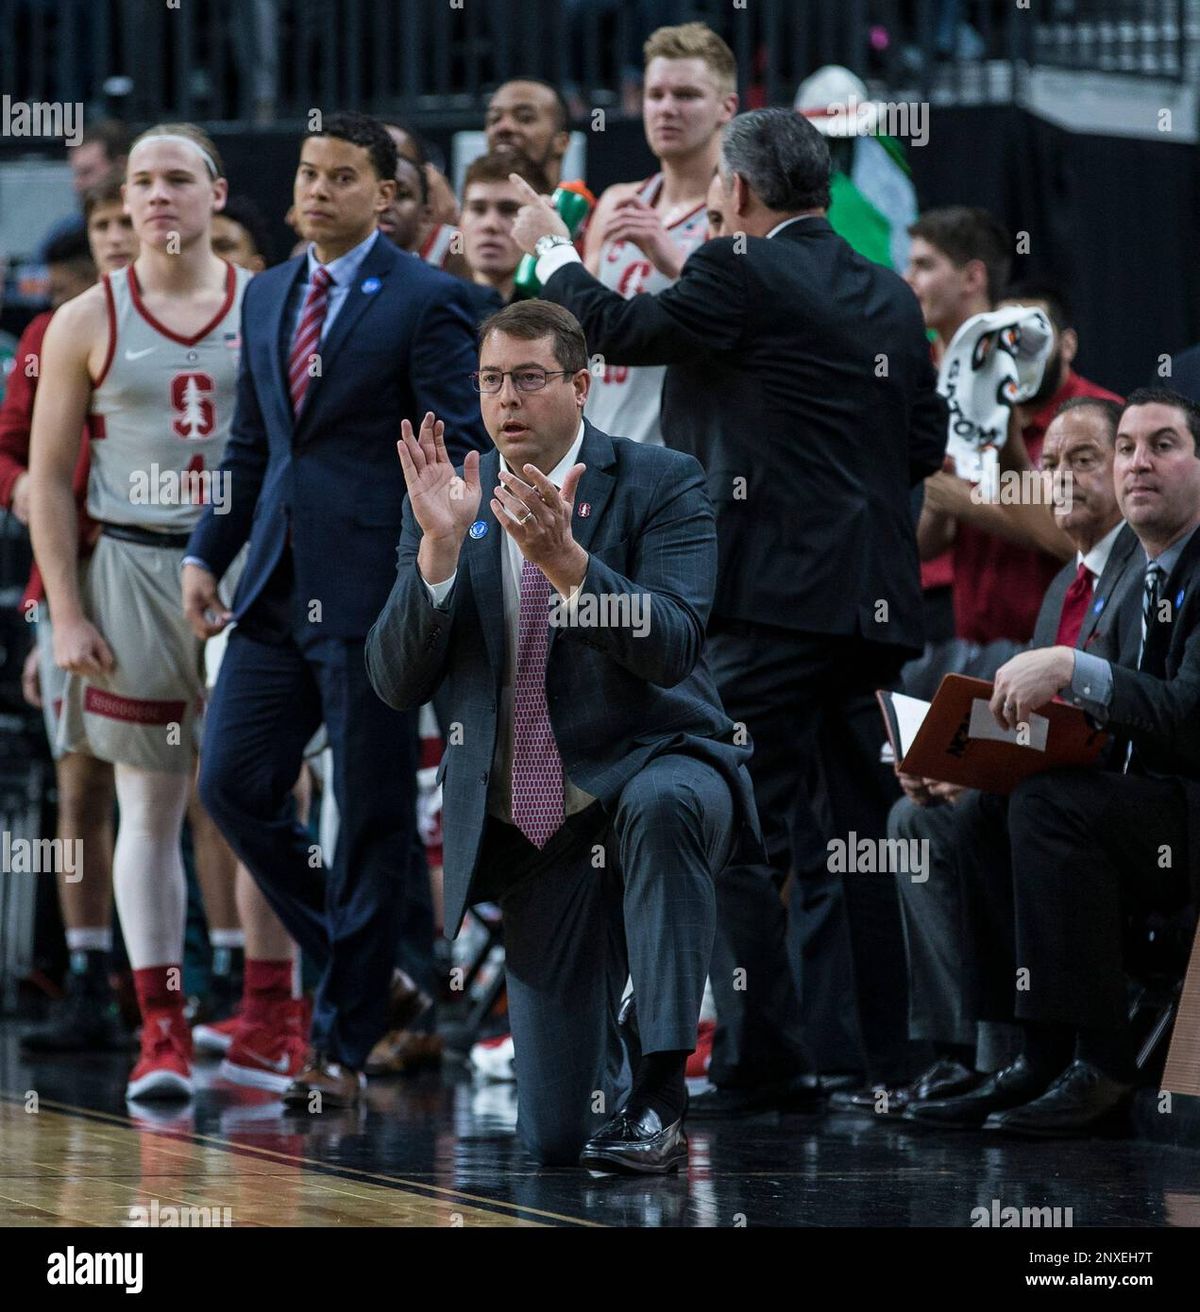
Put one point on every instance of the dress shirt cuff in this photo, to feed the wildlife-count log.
(438, 592)
(1091, 685)
(553, 260)
(195, 560)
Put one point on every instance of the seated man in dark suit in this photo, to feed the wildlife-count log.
(1078, 610)
(592, 782)
(1084, 846)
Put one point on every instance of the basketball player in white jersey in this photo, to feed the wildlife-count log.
(149, 358)
(642, 232)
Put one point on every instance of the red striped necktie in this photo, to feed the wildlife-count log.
(308, 337)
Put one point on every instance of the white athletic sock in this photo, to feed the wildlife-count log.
(227, 938)
(89, 940)
(149, 884)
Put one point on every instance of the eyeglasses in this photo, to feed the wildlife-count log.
(490, 381)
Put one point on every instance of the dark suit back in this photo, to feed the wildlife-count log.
(616, 699)
(800, 378)
(329, 480)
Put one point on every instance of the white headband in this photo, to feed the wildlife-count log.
(187, 141)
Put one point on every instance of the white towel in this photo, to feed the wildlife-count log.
(995, 361)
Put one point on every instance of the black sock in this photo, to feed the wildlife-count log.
(659, 1082)
(1047, 1047)
(90, 967)
(1108, 1050)
(963, 1053)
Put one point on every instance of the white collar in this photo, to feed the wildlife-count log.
(787, 223)
(1097, 558)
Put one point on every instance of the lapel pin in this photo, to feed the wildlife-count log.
(478, 529)
(585, 509)
(371, 285)
(1099, 606)
(1179, 599)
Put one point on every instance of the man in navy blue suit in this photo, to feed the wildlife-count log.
(596, 787)
(337, 345)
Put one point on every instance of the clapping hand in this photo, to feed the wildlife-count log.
(444, 504)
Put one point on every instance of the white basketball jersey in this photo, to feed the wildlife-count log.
(161, 411)
(625, 400)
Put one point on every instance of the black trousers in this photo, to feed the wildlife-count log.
(1050, 877)
(804, 698)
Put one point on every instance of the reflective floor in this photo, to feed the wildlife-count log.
(439, 1150)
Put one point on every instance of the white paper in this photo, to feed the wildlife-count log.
(910, 713)
(983, 725)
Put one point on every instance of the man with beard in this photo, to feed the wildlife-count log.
(529, 117)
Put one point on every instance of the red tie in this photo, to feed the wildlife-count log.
(308, 336)
(537, 773)
(1075, 605)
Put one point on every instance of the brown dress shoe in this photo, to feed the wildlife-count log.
(400, 1052)
(323, 1082)
(407, 1003)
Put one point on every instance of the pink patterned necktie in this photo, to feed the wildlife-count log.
(537, 773)
(308, 336)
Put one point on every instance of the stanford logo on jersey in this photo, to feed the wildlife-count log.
(191, 401)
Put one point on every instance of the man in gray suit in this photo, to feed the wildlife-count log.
(1079, 609)
(594, 785)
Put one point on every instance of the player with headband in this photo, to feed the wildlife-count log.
(149, 359)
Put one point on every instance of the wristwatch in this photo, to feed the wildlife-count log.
(544, 245)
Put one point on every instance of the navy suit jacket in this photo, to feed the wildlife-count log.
(616, 699)
(403, 343)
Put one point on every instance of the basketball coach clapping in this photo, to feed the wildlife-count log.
(592, 783)
(799, 375)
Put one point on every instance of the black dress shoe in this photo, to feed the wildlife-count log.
(946, 1078)
(631, 1037)
(802, 1093)
(636, 1140)
(834, 1082)
(1082, 1101)
(1011, 1087)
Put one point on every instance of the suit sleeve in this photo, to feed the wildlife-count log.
(1161, 713)
(660, 631)
(408, 644)
(928, 427)
(217, 539)
(701, 313)
(442, 358)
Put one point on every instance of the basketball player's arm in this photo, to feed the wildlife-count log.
(59, 412)
(594, 236)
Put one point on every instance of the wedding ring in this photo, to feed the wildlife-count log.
(526, 519)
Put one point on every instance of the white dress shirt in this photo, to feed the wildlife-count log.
(500, 779)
